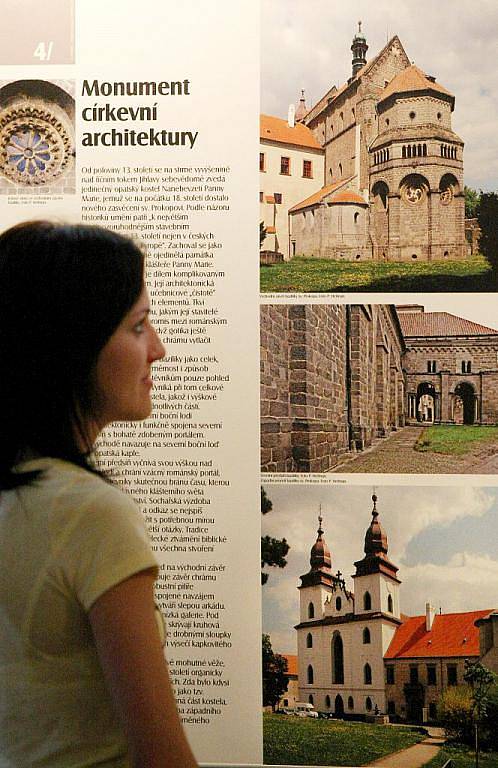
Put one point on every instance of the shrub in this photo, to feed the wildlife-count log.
(455, 713)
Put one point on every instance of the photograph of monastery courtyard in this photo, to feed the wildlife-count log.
(377, 624)
(378, 147)
(380, 388)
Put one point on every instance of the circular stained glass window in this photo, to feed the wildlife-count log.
(414, 194)
(35, 145)
(29, 152)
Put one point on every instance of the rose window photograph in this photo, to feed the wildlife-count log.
(29, 152)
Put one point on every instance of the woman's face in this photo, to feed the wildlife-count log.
(123, 370)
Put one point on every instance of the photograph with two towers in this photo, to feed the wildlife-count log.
(379, 383)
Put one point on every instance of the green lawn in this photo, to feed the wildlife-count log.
(462, 757)
(307, 275)
(454, 439)
(305, 741)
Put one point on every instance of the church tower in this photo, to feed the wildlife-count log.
(342, 638)
(376, 582)
(359, 48)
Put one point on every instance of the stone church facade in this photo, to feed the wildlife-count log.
(393, 166)
(334, 377)
(359, 656)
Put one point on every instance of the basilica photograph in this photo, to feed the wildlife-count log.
(362, 185)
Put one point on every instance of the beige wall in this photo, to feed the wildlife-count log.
(294, 188)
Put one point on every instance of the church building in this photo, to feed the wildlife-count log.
(359, 655)
(393, 166)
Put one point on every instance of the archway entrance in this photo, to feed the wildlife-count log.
(427, 403)
(464, 393)
(339, 706)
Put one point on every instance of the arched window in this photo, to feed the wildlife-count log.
(340, 170)
(403, 151)
(368, 704)
(327, 701)
(390, 603)
(367, 674)
(310, 675)
(337, 659)
(310, 699)
(350, 703)
(424, 152)
(311, 611)
(366, 636)
(356, 217)
(367, 602)
(338, 603)
(409, 151)
(309, 640)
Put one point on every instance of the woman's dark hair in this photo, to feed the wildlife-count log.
(64, 289)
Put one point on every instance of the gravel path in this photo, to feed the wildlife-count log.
(395, 454)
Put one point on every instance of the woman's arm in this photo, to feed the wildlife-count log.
(130, 652)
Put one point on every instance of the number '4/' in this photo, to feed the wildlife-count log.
(43, 51)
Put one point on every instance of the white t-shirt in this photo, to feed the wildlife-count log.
(64, 541)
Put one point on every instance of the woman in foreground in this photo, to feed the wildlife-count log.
(83, 680)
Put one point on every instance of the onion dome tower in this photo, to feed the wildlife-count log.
(359, 48)
(376, 549)
(320, 561)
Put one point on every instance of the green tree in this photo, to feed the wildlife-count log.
(273, 551)
(472, 198)
(481, 679)
(275, 679)
(487, 217)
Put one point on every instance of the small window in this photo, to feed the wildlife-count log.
(310, 699)
(431, 366)
(278, 198)
(261, 197)
(340, 170)
(311, 611)
(338, 603)
(285, 166)
(439, 115)
(310, 675)
(431, 674)
(327, 701)
(356, 217)
(307, 169)
(367, 674)
(350, 702)
(413, 675)
(412, 115)
(262, 163)
(368, 704)
(366, 636)
(309, 640)
(367, 602)
(466, 366)
(452, 674)
(391, 707)
(389, 604)
(390, 675)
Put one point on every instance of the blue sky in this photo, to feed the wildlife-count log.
(307, 45)
(443, 540)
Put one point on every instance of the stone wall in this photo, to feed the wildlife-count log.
(331, 380)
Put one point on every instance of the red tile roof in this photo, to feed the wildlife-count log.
(322, 193)
(452, 634)
(348, 197)
(409, 80)
(276, 129)
(291, 663)
(440, 324)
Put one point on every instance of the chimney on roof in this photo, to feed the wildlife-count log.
(430, 612)
(291, 116)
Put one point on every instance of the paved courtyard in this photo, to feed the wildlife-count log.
(396, 454)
